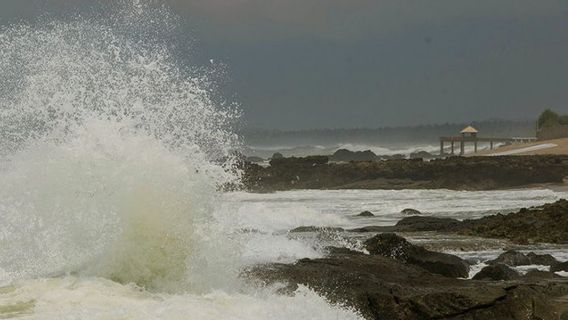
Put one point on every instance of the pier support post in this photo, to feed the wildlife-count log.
(475, 146)
(441, 147)
(491, 145)
(452, 147)
(462, 147)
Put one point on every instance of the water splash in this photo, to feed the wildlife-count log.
(112, 153)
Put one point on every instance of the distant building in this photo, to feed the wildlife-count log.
(469, 130)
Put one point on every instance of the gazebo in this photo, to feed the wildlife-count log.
(469, 130)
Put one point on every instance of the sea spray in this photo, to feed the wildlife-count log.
(112, 153)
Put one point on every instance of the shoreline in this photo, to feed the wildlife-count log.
(454, 173)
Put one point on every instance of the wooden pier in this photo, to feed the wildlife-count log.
(469, 134)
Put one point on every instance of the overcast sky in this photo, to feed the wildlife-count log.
(367, 63)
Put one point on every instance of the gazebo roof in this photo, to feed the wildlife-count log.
(469, 129)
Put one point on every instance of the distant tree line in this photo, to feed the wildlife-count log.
(386, 135)
(549, 118)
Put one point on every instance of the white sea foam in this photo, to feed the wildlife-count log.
(113, 156)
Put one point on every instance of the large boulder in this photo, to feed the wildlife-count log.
(344, 155)
(410, 212)
(366, 214)
(515, 258)
(383, 288)
(497, 271)
(393, 246)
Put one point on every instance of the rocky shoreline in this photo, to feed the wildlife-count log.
(391, 278)
(545, 224)
(455, 173)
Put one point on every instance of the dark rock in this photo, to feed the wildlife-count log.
(392, 246)
(422, 155)
(539, 274)
(426, 223)
(366, 214)
(410, 212)
(457, 173)
(316, 229)
(548, 223)
(346, 156)
(414, 223)
(515, 258)
(384, 288)
(497, 271)
(563, 266)
(277, 155)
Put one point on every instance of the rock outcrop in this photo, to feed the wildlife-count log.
(366, 214)
(547, 224)
(515, 258)
(496, 272)
(344, 155)
(384, 288)
(395, 247)
(458, 173)
(410, 212)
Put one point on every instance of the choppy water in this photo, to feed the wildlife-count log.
(112, 160)
(113, 155)
(277, 213)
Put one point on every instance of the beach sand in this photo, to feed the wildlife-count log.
(556, 146)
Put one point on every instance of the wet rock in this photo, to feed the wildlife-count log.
(422, 155)
(414, 223)
(392, 246)
(383, 288)
(316, 229)
(347, 155)
(563, 266)
(366, 214)
(426, 224)
(539, 274)
(497, 271)
(277, 155)
(548, 223)
(515, 258)
(411, 212)
(457, 173)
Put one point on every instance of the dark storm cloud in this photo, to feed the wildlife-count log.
(368, 63)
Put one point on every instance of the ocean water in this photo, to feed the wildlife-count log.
(112, 160)
(277, 213)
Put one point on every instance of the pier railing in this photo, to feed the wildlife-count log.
(462, 140)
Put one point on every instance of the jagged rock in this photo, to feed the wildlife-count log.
(347, 155)
(392, 246)
(497, 271)
(384, 288)
(366, 214)
(410, 212)
(548, 223)
(515, 258)
(316, 229)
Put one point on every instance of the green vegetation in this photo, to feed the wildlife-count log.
(549, 118)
